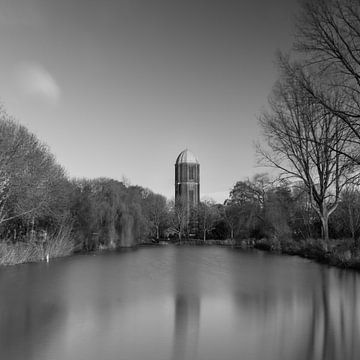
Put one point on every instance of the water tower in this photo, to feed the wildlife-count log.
(187, 185)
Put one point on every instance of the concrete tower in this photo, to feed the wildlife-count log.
(187, 184)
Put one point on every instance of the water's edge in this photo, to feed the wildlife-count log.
(312, 249)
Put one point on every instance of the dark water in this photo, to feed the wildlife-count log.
(179, 303)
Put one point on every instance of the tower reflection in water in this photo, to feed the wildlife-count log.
(187, 307)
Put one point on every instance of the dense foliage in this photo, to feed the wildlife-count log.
(282, 210)
(106, 213)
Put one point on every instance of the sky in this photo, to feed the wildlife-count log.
(118, 88)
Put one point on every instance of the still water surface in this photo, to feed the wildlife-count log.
(179, 303)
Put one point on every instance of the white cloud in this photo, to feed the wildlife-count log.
(34, 80)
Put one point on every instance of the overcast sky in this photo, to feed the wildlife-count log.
(119, 87)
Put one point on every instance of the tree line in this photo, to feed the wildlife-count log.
(311, 130)
(40, 205)
(38, 201)
(282, 209)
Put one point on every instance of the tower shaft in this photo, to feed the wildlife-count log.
(187, 187)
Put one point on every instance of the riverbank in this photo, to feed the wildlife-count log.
(340, 253)
(56, 245)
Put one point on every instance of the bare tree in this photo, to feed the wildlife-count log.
(350, 210)
(155, 211)
(179, 218)
(328, 35)
(28, 173)
(278, 212)
(307, 142)
(208, 214)
(304, 215)
(231, 213)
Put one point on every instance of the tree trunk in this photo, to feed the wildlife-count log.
(157, 233)
(32, 231)
(351, 223)
(204, 235)
(325, 226)
(232, 233)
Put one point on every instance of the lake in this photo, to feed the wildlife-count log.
(179, 303)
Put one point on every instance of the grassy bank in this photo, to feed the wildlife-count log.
(341, 253)
(200, 242)
(56, 245)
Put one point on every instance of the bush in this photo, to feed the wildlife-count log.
(56, 245)
(59, 244)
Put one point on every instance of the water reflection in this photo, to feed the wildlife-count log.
(179, 304)
(334, 326)
(27, 321)
(309, 309)
(187, 307)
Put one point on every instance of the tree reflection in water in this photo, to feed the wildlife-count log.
(334, 329)
(309, 311)
(27, 320)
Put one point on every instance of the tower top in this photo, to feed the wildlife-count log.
(186, 156)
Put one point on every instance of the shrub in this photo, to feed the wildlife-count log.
(56, 245)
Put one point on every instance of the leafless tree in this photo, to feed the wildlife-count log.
(350, 209)
(208, 214)
(179, 218)
(305, 141)
(29, 174)
(155, 211)
(231, 213)
(328, 37)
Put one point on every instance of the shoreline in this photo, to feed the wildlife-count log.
(341, 254)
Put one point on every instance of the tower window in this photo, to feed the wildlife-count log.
(192, 173)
